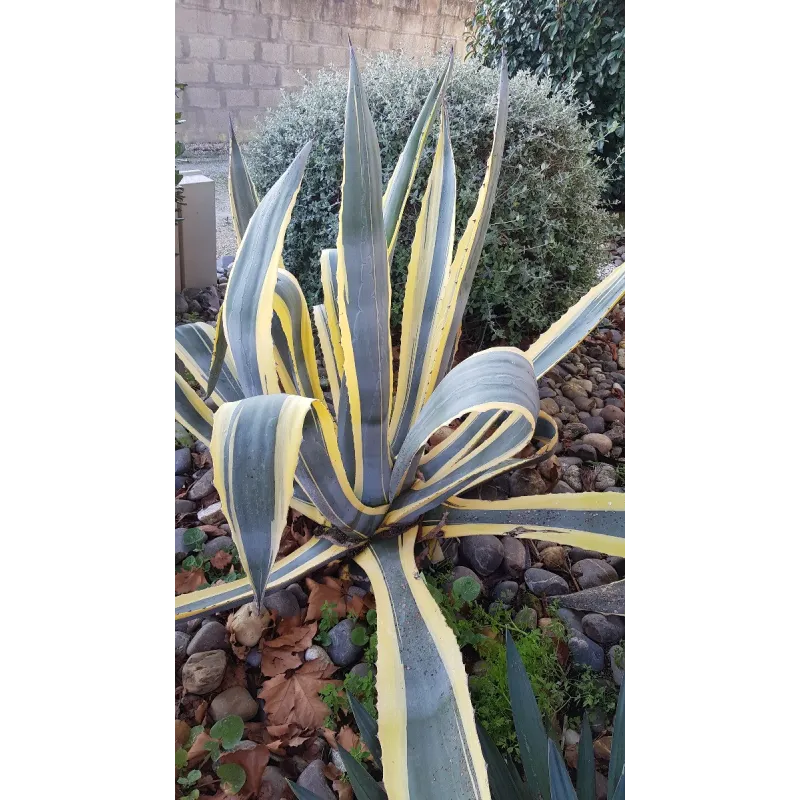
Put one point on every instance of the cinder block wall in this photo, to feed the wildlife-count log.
(237, 55)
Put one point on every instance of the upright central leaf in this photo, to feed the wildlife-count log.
(363, 300)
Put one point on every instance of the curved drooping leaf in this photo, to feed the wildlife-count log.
(248, 307)
(255, 447)
(294, 339)
(429, 743)
(454, 295)
(311, 556)
(591, 520)
(619, 794)
(367, 728)
(496, 379)
(301, 793)
(364, 785)
(241, 189)
(399, 186)
(191, 411)
(571, 329)
(560, 784)
(616, 764)
(363, 299)
(431, 253)
(194, 344)
(533, 741)
(586, 779)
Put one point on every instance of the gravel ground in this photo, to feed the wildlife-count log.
(214, 164)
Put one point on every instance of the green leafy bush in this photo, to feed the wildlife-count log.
(548, 230)
(579, 43)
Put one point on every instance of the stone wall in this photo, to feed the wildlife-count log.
(237, 56)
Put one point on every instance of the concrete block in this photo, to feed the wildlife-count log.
(202, 97)
(322, 33)
(250, 6)
(192, 72)
(294, 30)
(203, 47)
(252, 26)
(305, 55)
(261, 75)
(379, 41)
(235, 98)
(194, 20)
(269, 98)
(229, 73)
(198, 232)
(336, 56)
(273, 53)
(240, 50)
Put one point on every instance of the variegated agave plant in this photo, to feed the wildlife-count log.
(365, 471)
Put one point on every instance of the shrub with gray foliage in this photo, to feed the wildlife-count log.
(548, 229)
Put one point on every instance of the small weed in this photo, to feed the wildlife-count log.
(330, 616)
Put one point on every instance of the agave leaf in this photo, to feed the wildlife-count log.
(194, 345)
(429, 743)
(241, 190)
(586, 779)
(591, 520)
(218, 354)
(330, 293)
(560, 784)
(533, 741)
(578, 321)
(399, 186)
(362, 278)
(364, 784)
(191, 411)
(255, 447)
(454, 296)
(248, 307)
(496, 379)
(616, 764)
(294, 340)
(367, 727)
(326, 345)
(431, 253)
(301, 793)
(501, 781)
(311, 556)
(619, 793)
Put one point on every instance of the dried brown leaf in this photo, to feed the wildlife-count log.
(182, 733)
(330, 590)
(298, 637)
(294, 697)
(189, 581)
(253, 762)
(221, 559)
(276, 662)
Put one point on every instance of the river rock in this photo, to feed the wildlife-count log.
(236, 701)
(273, 784)
(571, 475)
(463, 572)
(211, 548)
(541, 582)
(211, 515)
(361, 670)
(246, 625)
(203, 672)
(563, 488)
(483, 553)
(574, 430)
(516, 557)
(202, 487)
(604, 477)
(554, 558)
(505, 592)
(183, 507)
(181, 304)
(283, 603)
(342, 651)
(599, 441)
(549, 405)
(603, 629)
(586, 653)
(211, 636)
(610, 413)
(526, 618)
(573, 389)
(183, 461)
(297, 590)
(583, 451)
(313, 779)
(181, 643)
(618, 563)
(577, 554)
(315, 653)
(616, 433)
(571, 619)
(616, 660)
(523, 482)
(592, 572)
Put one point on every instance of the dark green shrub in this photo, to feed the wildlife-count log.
(574, 41)
(548, 231)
